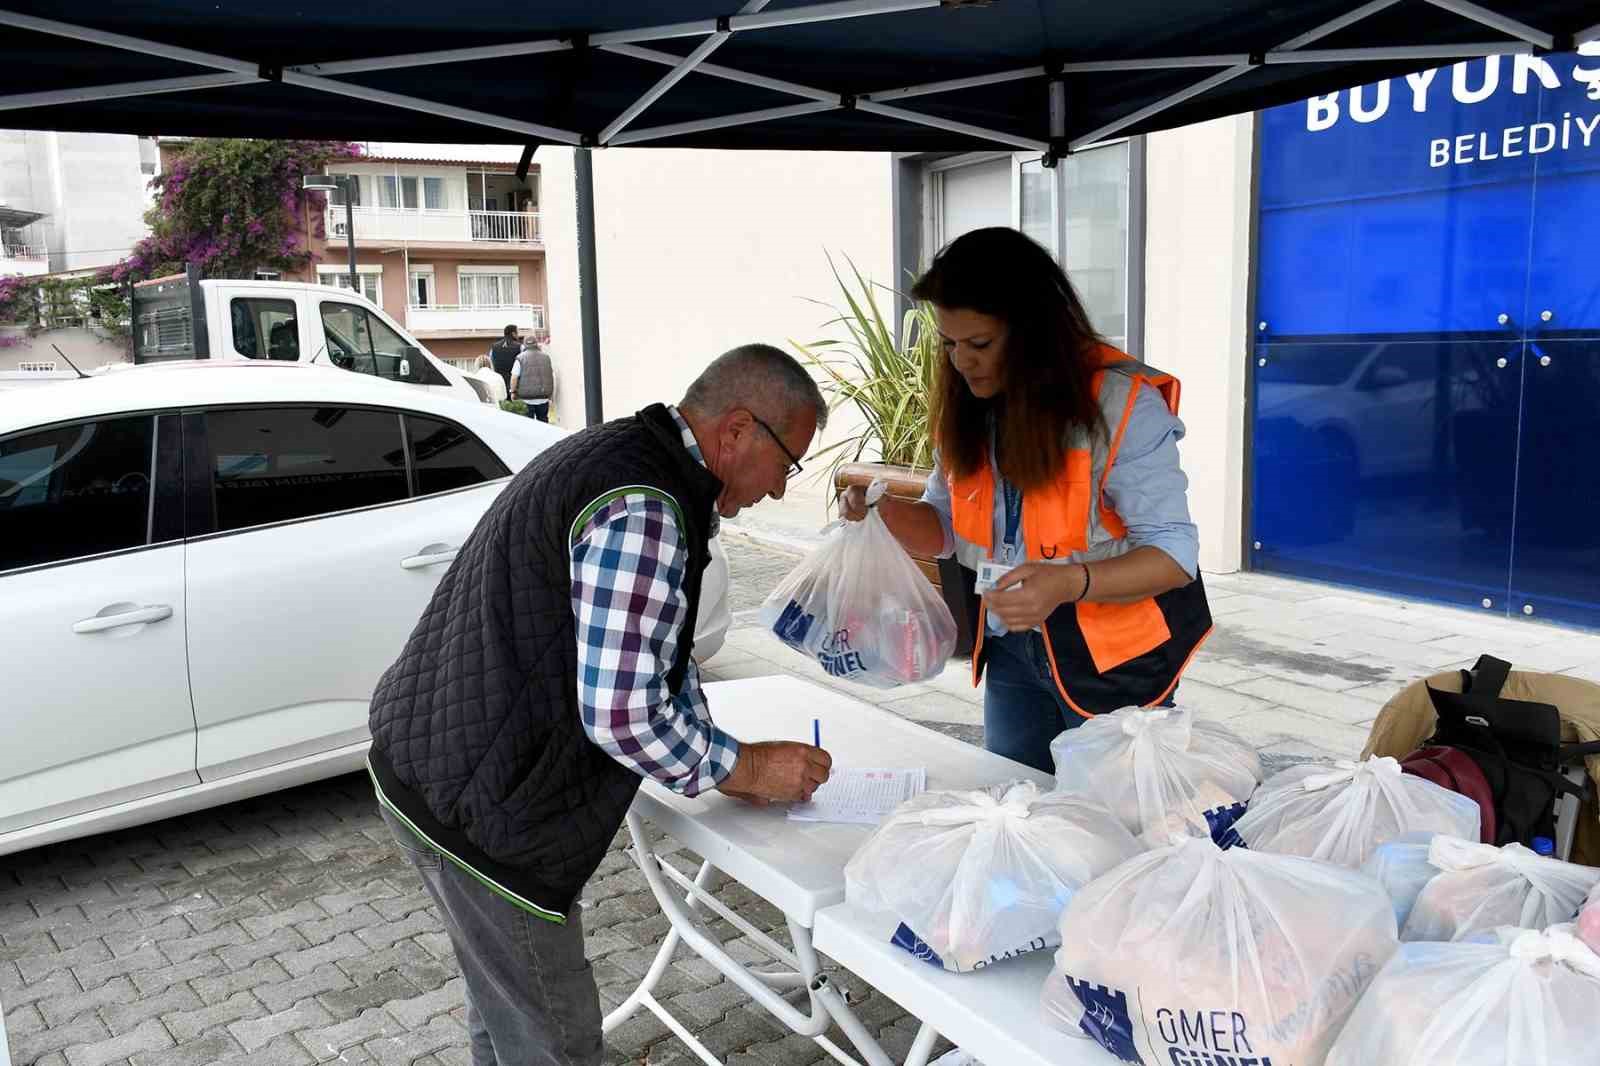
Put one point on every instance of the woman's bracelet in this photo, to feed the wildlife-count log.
(1085, 591)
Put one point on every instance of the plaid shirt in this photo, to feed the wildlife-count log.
(628, 564)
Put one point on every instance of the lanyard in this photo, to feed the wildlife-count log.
(1013, 497)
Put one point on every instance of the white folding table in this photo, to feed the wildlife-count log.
(796, 866)
(992, 1014)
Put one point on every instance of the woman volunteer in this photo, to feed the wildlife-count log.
(1056, 463)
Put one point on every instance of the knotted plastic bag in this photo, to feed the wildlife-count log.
(1341, 813)
(1190, 955)
(982, 875)
(1161, 770)
(862, 609)
(1402, 868)
(1480, 887)
(1523, 998)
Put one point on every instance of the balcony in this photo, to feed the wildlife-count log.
(442, 320)
(24, 259)
(506, 228)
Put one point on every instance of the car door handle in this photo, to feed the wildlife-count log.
(431, 555)
(154, 612)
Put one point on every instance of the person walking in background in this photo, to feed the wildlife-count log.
(503, 355)
(533, 379)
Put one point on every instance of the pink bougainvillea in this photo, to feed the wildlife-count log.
(232, 207)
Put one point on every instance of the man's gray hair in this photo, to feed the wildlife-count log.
(764, 380)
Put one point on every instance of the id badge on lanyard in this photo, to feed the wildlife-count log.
(1008, 554)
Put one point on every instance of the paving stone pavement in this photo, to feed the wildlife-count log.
(288, 930)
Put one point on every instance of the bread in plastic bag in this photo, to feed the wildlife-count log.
(1191, 955)
(1161, 770)
(861, 608)
(1401, 866)
(981, 875)
(1524, 998)
(1480, 887)
(1341, 813)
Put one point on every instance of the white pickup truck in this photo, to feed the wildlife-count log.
(185, 317)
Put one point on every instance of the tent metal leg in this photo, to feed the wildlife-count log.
(588, 288)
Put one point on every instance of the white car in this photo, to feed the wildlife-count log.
(204, 569)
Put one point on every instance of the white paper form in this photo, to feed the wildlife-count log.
(861, 795)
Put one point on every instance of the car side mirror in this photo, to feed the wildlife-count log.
(409, 356)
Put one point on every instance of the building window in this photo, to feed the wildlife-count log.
(433, 194)
(1080, 211)
(371, 281)
(488, 287)
(421, 288)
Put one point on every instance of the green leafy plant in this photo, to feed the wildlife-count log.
(42, 302)
(516, 407)
(889, 382)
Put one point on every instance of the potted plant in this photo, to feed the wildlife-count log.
(890, 383)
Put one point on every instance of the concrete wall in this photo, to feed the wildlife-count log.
(84, 347)
(1197, 289)
(699, 251)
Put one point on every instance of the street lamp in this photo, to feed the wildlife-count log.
(346, 184)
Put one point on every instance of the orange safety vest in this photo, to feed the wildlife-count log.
(1103, 656)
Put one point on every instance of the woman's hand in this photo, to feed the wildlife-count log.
(853, 503)
(1024, 597)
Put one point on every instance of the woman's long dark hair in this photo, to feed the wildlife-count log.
(1050, 358)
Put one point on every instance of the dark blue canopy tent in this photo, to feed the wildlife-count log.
(901, 75)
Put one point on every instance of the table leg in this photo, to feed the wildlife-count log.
(827, 1006)
(922, 1047)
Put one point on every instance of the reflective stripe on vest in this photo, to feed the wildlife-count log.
(1069, 521)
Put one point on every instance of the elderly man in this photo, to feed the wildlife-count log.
(553, 670)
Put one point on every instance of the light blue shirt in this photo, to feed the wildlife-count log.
(1146, 487)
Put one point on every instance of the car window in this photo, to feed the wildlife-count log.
(277, 464)
(265, 329)
(75, 490)
(397, 359)
(349, 343)
(359, 340)
(445, 456)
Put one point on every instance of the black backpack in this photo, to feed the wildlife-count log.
(1516, 743)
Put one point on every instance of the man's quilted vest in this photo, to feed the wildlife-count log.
(477, 739)
(1103, 655)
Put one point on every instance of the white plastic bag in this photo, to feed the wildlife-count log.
(862, 609)
(1589, 919)
(1341, 813)
(1402, 868)
(1161, 770)
(1481, 887)
(1527, 998)
(982, 875)
(1190, 955)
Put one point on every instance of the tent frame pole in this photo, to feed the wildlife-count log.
(588, 286)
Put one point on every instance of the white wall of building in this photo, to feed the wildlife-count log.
(699, 251)
(90, 185)
(1197, 288)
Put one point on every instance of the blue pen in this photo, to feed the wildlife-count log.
(816, 732)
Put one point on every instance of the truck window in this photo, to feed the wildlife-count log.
(361, 341)
(265, 329)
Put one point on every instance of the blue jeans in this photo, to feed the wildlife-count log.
(1022, 709)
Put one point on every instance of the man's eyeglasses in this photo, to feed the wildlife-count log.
(794, 461)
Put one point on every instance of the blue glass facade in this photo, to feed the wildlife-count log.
(1426, 394)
